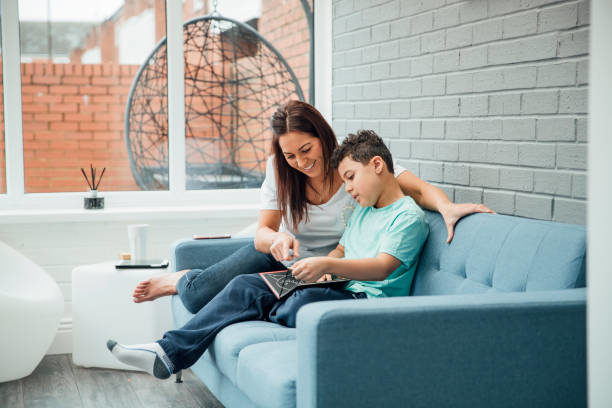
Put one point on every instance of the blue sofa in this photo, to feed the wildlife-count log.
(496, 319)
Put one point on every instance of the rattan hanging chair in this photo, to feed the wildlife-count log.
(234, 81)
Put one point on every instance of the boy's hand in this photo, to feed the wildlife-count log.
(326, 277)
(310, 269)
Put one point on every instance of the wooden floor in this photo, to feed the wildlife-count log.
(57, 383)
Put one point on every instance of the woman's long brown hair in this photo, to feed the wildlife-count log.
(291, 184)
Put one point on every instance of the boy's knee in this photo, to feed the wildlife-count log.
(241, 280)
(307, 295)
(303, 298)
(240, 283)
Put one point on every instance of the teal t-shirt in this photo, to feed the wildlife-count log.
(400, 230)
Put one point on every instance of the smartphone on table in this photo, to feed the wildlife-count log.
(221, 236)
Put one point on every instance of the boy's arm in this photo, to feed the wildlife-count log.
(402, 242)
(366, 269)
(337, 252)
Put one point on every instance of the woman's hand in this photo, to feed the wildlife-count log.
(454, 212)
(282, 244)
(310, 269)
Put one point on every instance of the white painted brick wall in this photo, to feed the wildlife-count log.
(486, 99)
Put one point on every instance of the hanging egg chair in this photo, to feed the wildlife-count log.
(234, 81)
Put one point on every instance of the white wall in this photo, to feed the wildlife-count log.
(599, 223)
(135, 38)
(60, 246)
(92, 56)
(487, 99)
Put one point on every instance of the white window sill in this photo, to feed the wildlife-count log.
(128, 214)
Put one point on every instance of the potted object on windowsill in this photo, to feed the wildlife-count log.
(92, 201)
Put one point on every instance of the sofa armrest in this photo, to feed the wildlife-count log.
(191, 253)
(483, 350)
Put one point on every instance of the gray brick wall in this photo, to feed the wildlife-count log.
(486, 99)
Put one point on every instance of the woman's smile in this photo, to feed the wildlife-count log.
(309, 168)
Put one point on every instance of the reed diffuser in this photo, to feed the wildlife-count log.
(92, 201)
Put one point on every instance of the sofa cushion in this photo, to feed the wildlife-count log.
(493, 252)
(228, 344)
(179, 313)
(219, 385)
(267, 373)
(226, 347)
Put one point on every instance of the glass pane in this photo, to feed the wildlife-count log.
(240, 66)
(81, 63)
(2, 149)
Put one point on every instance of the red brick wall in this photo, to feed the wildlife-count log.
(73, 116)
(283, 24)
(103, 36)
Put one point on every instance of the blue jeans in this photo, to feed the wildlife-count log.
(198, 286)
(246, 297)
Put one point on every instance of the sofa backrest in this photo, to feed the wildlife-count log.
(492, 252)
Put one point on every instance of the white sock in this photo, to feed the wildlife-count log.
(149, 357)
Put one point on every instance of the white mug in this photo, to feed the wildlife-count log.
(137, 236)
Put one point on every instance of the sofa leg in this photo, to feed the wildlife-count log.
(179, 377)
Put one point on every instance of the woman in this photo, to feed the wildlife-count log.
(303, 213)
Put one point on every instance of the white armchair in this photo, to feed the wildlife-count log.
(31, 306)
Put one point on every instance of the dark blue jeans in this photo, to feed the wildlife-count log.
(246, 297)
(198, 286)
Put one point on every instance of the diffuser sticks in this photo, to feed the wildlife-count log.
(92, 184)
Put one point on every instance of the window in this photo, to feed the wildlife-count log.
(78, 63)
(241, 64)
(2, 147)
(72, 68)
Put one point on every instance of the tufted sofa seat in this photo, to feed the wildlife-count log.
(496, 319)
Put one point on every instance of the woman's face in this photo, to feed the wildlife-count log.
(303, 152)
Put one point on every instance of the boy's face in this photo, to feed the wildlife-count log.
(361, 181)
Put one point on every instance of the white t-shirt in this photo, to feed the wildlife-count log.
(326, 222)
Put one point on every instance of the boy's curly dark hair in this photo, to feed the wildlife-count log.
(361, 147)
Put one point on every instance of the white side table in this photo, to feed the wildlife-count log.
(102, 309)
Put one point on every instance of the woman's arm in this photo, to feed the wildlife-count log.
(267, 229)
(426, 195)
(270, 241)
(433, 198)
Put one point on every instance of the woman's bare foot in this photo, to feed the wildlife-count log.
(156, 287)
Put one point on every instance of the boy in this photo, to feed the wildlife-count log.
(378, 251)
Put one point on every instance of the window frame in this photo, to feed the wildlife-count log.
(177, 195)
